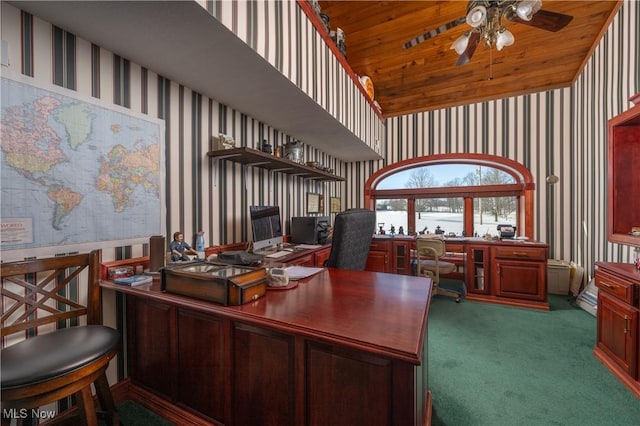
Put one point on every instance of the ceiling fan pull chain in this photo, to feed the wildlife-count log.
(490, 63)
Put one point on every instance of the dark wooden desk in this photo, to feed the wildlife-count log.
(343, 348)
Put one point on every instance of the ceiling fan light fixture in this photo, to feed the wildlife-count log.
(505, 38)
(477, 16)
(527, 8)
(461, 43)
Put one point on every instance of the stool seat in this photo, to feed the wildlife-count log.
(45, 357)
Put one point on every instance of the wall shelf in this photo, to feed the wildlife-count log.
(256, 158)
(623, 180)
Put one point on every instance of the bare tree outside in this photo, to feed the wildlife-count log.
(422, 178)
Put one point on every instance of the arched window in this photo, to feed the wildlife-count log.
(458, 194)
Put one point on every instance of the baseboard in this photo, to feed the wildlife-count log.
(428, 409)
(126, 390)
(619, 373)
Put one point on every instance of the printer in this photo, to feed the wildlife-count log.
(310, 229)
(507, 231)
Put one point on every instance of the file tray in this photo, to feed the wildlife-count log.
(223, 284)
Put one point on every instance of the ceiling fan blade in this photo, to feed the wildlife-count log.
(434, 32)
(474, 40)
(546, 20)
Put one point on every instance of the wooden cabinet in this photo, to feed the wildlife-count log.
(623, 180)
(617, 336)
(519, 272)
(618, 333)
(379, 259)
(401, 257)
(477, 270)
(505, 272)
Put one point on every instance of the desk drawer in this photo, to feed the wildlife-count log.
(619, 288)
(454, 248)
(380, 245)
(520, 253)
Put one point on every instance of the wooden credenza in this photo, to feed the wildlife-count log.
(618, 335)
(496, 271)
(343, 348)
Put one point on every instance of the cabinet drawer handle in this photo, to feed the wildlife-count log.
(607, 285)
(521, 254)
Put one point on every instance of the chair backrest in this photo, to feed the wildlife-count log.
(353, 230)
(51, 290)
(430, 247)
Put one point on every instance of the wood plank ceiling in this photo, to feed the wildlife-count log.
(425, 77)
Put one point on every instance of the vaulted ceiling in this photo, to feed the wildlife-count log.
(425, 77)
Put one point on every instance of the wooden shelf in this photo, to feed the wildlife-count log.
(623, 183)
(256, 158)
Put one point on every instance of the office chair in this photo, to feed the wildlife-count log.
(353, 230)
(50, 363)
(429, 250)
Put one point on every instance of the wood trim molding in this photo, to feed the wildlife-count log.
(126, 390)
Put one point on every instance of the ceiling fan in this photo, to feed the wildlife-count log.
(486, 19)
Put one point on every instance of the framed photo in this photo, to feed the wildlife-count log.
(313, 202)
(335, 205)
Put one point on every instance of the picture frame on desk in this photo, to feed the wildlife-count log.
(336, 205)
(314, 202)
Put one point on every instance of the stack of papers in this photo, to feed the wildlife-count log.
(300, 272)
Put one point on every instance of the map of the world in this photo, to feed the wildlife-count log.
(74, 170)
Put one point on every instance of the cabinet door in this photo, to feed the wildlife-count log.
(519, 279)
(618, 332)
(401, 262)
(264, 382)
(201, 363)
(149, 342)
(477, 270)
(377, 261)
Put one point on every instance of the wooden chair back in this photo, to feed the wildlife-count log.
(46, 291)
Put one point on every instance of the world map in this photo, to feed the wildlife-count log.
(74, 170)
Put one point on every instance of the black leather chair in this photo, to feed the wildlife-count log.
(353, 230)
(51, 363)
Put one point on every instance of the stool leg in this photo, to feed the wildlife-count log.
(103, 391)
(87, 407)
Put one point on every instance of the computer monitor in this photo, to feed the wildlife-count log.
(266, 227)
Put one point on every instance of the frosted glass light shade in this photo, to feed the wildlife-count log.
(505, 38)
(460, 44)
(476, 16)
(527, 8)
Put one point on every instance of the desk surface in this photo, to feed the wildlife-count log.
(379, 313)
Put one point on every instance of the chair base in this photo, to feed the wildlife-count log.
(446, 292)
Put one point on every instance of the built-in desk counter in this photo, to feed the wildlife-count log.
(342, 348)
(508, 272)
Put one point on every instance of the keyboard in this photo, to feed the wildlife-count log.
(280, 253)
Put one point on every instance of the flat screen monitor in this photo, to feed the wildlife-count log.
(266, 227)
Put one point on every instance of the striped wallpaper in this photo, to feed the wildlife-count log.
(560, 132)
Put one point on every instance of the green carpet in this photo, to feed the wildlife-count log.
(497, 365)
(133, 414)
